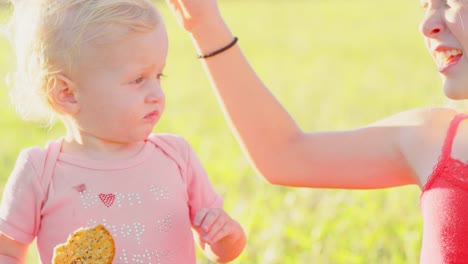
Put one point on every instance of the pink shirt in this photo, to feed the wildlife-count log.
(444, 207)
(147, 202)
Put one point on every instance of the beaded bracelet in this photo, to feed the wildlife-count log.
(233, 42)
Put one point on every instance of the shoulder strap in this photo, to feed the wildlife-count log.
(52, 153)
(451, 132)
(446, 149)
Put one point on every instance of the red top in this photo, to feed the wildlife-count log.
(444, 207)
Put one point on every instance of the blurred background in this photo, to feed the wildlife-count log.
(334, 64)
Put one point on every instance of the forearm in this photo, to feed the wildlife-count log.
(12, 251)
(260, 122)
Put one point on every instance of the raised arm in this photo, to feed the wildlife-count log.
(369, 157)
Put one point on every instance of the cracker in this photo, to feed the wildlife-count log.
(92, 245)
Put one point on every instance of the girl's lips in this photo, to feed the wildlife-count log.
(451, 62)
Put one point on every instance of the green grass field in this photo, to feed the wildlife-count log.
(335, 65)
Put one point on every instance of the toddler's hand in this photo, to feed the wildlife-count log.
(214, 224)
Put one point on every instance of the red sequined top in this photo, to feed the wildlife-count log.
(444, 207)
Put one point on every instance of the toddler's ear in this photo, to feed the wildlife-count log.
(61, 94)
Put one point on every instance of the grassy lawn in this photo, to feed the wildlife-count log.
(334, 64)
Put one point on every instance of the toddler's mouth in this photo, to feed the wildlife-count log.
(153, 115)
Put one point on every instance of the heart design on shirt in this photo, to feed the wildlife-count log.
(107, 199)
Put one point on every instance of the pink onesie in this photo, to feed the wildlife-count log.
(147, 202)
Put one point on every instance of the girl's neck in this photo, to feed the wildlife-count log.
(102, 150)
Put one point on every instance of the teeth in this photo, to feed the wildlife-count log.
(443, 56)
(452, 52)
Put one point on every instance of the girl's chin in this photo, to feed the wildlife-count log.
(456, 90)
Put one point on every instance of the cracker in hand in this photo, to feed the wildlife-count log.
(93, 245)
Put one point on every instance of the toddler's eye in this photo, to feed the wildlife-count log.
(160, 76)
(138, 80)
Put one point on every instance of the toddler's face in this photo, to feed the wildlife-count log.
(119, 92)
(445, 30)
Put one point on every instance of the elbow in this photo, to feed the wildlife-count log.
(280, 175)
(272, 176)
(272, 170)
(278, 181)
(276, 165)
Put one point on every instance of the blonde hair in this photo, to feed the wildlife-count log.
(47, 36)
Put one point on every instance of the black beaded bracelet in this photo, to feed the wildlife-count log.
(233, 42)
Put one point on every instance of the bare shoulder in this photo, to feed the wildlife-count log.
(421, 137)
(430, 124)
(419, 117)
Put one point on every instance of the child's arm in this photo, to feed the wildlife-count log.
(370, 157)
(220, 237)
(11, 251)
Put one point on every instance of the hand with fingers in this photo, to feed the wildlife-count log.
(203, 21)
(224, 235)
(192, 13)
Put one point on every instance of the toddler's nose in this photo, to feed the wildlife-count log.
(155, 92)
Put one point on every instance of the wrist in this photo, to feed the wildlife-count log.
(211, 36)
(218, 51)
